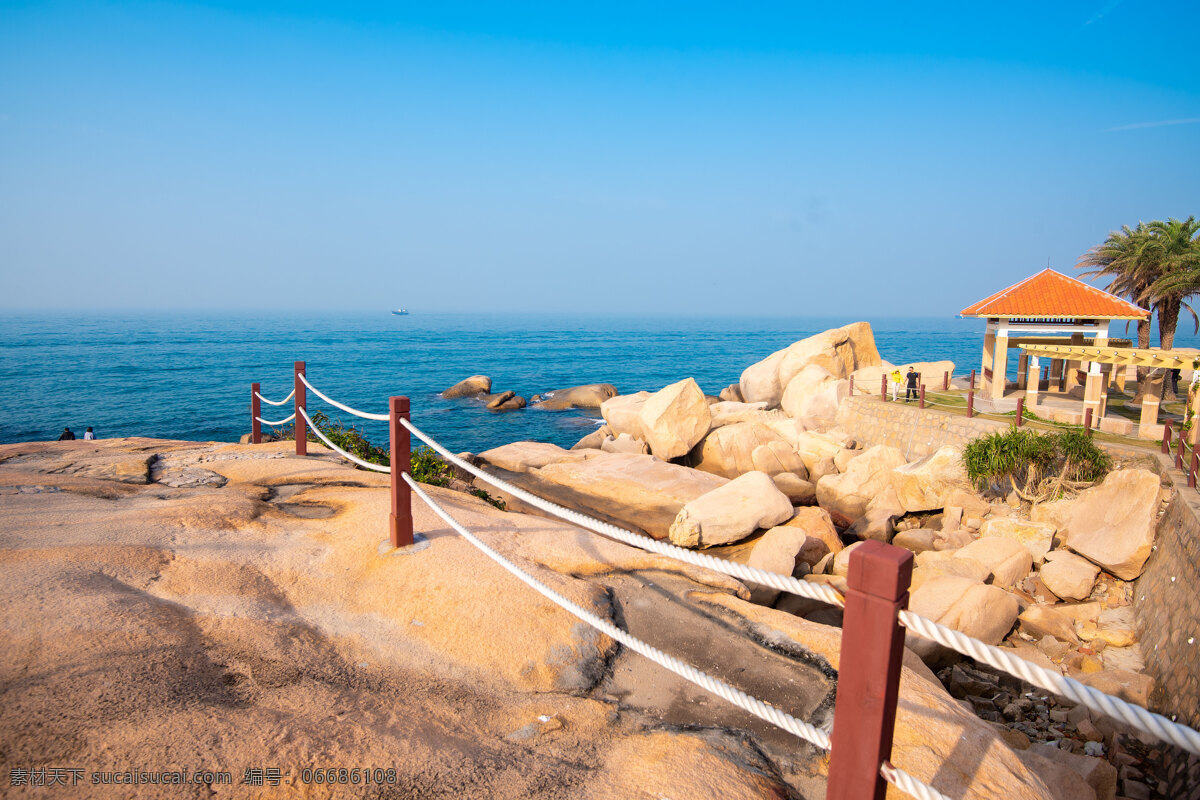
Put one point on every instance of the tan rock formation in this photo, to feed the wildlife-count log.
(526, 456)
(728, 412)
(801, 492)
(984, 612)
(928, 484)
(813, 393)
(1113, 524)
(674, 419)
(1037, 537)
(1007, 559)
(731, 512)
(1069, 576)
(624, 443)
(591, 395)
(623, 414)
(469, 387)
(840, 351)
(848, 494)
(730, 451)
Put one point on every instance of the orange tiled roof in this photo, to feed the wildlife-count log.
(1052, 295)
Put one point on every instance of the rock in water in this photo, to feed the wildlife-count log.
(1069, 576)
(591, 395)
(1113, 524)
(731, 512)
(470, 387)
(927, 484)
(869, 475)
(840, 351)
(674, 419)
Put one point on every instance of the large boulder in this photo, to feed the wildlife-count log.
(849, 493)
(622, 413)
(814, 393)
(1007, 559)
(639, 492)
(1036, 537)
(1069, 576)
(1113, 524)
(986, 613)
(728, 412)
(526, 456)
(730, 451)
(674, 419)
(469, 387)
(775, 551)
(800, 491)
(816, 523)
(731, 512)
(595, 439)
(840, 351)
(624, 443)
(591, 395)
(927, 484)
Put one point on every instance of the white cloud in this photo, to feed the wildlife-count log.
(1157, 124)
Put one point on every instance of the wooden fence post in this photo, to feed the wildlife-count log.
(301, 402)
(1192, 468)
(852, 385)
(1179, 451)
(255, 413)
(400, 523)
(1087, 422)
(1019, 419)
(972, 387)
(946, 381)
(868, 670)
(1166, 444)
(883, 388)
(970, 403)
(921, 397)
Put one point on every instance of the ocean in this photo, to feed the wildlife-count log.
(188, 376)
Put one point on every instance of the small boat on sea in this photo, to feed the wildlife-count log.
(401, 312)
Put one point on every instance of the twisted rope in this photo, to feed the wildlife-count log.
(282, 402)
(283, 421)
(737, 697)
(1154, 724)
(332, 402)
(784, 583)
(340, 451)
(907, 783)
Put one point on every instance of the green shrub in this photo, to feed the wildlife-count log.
(1038, 466)
(428, 467)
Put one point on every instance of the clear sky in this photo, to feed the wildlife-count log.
(734, 158)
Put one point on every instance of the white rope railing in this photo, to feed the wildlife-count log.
(340, 451)
(343, 407)
(784, 583)
(1154, 724)
(809, 733)
(282, 402)
(276, 424)
(907, 783)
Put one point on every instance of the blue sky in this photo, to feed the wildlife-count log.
(692, 158)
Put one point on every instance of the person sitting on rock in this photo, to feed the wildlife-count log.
(911, 390)
(89, 434)
(67, 436)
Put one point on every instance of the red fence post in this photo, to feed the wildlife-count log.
(883, 388)
(868, 671)
(1179, 451)
(852, 385)
(1087, 422)
(400, 523)
(921, 398)
(301, 402)
(946, 381)
(971, 403)
(972, 387)
(1019, 419)
(1192, 468)
(255, 413)
(1166, 445)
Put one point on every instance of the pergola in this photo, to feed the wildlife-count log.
(1045, 310)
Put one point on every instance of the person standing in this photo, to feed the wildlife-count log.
(897, 379)
(911, 385)
(67, 436)
(89, 434)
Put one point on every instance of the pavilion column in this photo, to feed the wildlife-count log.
(1056, 372)
(1023, 371)
(1073, 367)
(1092, 389)
(1031, 386)
(1149, 418)
(999, 368)
(989, 349)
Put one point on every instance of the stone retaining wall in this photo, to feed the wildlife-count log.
(915, 432)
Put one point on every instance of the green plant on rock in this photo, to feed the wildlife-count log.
(1038, 466)
(429, 468)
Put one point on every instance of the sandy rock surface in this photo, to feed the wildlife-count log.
(731, 512)
(839, 351)
(1113, 524)
(868, 475)
(674, 419)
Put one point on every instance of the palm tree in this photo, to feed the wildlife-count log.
(1172, 257)
(1122, 259)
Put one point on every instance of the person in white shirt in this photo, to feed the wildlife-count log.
(89, 433)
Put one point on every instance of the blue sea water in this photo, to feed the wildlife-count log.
(188, 376)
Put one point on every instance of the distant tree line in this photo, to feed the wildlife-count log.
(1156, 265)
